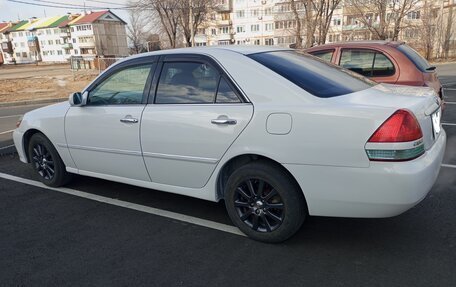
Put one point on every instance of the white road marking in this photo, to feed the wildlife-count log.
(5, 147)
(448, 165)
(6, 132)
(12, 116)
(448, 124)
(129, 205)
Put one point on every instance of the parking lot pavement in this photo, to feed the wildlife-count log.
(52, 238)
(8, 119)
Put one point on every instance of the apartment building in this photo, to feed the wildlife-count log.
(57, 38)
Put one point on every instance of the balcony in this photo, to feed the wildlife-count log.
(225, 7)
(67, 46)
(89, 44)
(223, 22)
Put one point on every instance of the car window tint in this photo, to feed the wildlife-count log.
(123, 87)
(187, 83)
(416, 58)
(324, 55)
(382, 66)
(225, 94)
(318, 77)
(358, 61)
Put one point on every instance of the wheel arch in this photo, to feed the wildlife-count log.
(237, 161)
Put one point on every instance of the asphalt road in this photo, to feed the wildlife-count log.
(50, 238)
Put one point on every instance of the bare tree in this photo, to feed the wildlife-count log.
(168, 13)
(297, 18)
(379, 15)
(327, 7)
(448, 31)
(428, 28)
(194, 16)
(137, 30)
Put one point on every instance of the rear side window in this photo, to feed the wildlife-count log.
(316, 76)
(324, 55)
(187, 83)
(368, 63)
(416, 58)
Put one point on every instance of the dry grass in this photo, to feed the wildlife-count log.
(43, 86)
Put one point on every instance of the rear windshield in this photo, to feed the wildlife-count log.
(312, 74)
(416, 58)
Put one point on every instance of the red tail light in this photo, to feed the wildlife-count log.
(402, 126)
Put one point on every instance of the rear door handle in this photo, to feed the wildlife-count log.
(224, 122)
(129, 120)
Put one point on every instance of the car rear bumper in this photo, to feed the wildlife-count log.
(384, 189)
(18, 142)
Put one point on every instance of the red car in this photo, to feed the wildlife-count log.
(382, 61)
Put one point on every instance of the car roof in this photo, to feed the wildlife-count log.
(208, 50)
(373, 43)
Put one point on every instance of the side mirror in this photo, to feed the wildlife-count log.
(78, 99)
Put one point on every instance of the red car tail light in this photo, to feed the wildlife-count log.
(403, 134)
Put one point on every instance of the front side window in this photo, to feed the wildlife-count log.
(324, 55)
(123, 87)
(313, 75)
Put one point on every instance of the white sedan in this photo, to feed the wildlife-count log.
(277, 134)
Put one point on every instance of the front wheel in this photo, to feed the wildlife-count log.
(264, 202)
(46, 161)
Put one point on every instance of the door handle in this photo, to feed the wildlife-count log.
(129, 120)
(224, 122)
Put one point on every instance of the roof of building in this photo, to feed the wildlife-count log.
(89, 18)
(18, 25)
(4, 26)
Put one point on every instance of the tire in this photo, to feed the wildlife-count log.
(272, 215)
(46, 161)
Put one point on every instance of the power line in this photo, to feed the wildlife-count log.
(104, 2)
(68, 6)
(77, 5)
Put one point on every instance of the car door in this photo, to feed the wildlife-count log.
(103, 135)
(369, 63)
(195, 114)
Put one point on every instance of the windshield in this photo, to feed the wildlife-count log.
(312, 74)
(416, 58)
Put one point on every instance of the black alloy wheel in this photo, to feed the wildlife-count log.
(46, 161)
(259, 205)
(264, 201)
(43, 161)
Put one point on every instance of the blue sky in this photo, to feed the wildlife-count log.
(10, 11)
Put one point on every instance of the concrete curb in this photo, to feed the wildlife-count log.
(32, 102)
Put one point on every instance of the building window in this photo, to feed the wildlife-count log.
(59, 52)
(18, 55)
(74, 40)
(21, 34)
(255, 27)
(75, 51)
(27, 33)
(225, 16)
(224, 30)
(256, 42)
(72, 29)
(24, 55)
(214, 31)
(337, 22)
(255, 13)
(51, 42)
(48, 31)
(240, 29)
(269, 26)
(224, 42)
(269, 42)
(57, 42)
(240, 14)
(413, 15)
(267, 11)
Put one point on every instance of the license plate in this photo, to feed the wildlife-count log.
(436, 123)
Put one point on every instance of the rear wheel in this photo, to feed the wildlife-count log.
(264, 202)
(46, 161)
